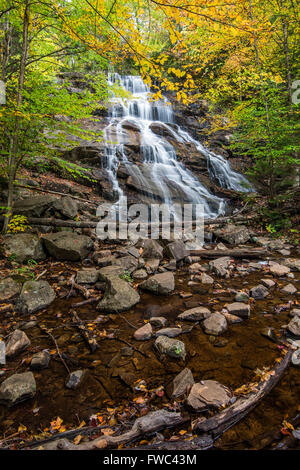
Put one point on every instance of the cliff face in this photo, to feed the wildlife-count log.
(132, 175)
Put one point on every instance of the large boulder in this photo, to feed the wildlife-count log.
(215, 324)
(9, 289)
(172, 347)
(208, 394)
(17, 388)
(182, 382)
(34, 206)
(17, 342)
(23, 246)
(118, 296)
(66, 206)
(34, 296)
(233, 234)
(176, 250)
(163, 283)
(68, 245)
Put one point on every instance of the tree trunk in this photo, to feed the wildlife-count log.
(14, 147)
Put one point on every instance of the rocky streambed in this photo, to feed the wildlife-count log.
(101, 334)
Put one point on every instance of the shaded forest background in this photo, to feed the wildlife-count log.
(241, 57)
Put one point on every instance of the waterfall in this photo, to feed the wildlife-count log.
(159, 174)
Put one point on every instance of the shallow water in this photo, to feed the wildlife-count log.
(233, 364)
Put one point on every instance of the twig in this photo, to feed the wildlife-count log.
(56, 345)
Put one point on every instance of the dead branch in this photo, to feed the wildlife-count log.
(152, 422)
(85, 333)
(45, 330)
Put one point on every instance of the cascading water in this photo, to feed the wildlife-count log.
(160, 174)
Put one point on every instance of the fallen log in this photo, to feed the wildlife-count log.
(41, 190)
(52, 222)
(204, 442)
(85, 333)
(149, 424)
(234, 253)
(224, 420)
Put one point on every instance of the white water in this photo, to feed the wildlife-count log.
(160, 173)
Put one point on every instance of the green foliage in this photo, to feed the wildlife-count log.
(17, 224)
(126, 276)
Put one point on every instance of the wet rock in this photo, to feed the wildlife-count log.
(279, 269)
(40, 360)
(294, 326)
(249, 363)
(233, 234)
(128, 378)
(195, 314)
(158, 321)
(152, 249)
(87, 276)
(68, 246)
(241, 297)
(127, 351)
(208, 394)
(182, 382)
(144, 333)
(292, 263)
(163, 283)
(259, 292)
(269, 333)
(206, 279)
(118, 296)
(195, 268)
(17, 388)
(9, 289)
(23, 246)
(267, 283)
(170, 332)
(215, 324)
(231, 319)
(176, 250)
(295, 312)
(35, 295)
(75, 379)
(140, 274)
(289, 289)
(2, 353)
(172, 347)
(296, 358)
(239, 309)
(17, 342)
(220, 265)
